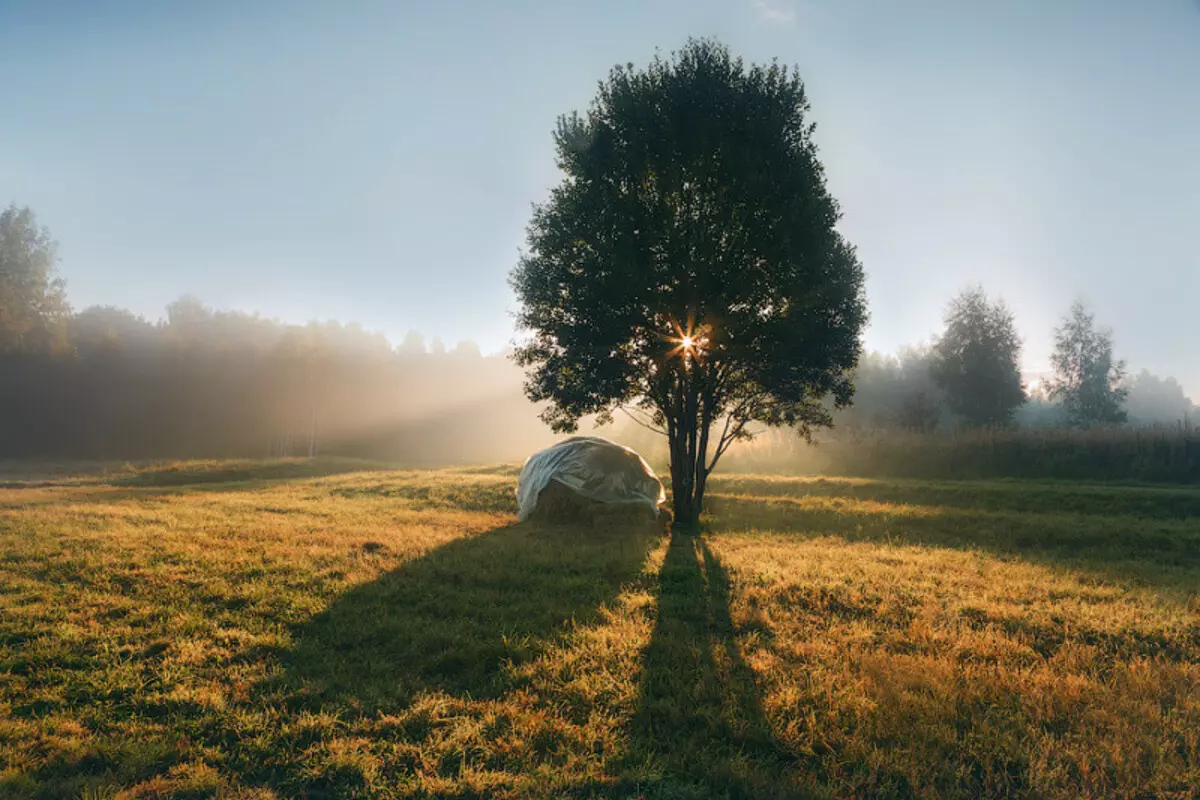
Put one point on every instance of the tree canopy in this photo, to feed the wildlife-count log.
(687, 269)
(977, 360)
(1087, 380)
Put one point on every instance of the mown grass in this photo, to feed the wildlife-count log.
(328, 629)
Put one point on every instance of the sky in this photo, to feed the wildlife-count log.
(377, 161)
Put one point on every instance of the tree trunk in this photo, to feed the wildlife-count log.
(698, 493)
(681, 484)
(688, 443)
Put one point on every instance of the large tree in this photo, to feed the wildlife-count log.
(977, 360)
(1087, 381)
(687, 269)
(33, 304)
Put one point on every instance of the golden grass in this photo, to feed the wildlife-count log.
(326, 629)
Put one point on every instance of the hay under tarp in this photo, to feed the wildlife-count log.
(589, 478)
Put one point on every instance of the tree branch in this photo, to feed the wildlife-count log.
(648, 426)
(735, 423)
(726, 441)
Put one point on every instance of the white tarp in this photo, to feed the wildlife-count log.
(595, 468)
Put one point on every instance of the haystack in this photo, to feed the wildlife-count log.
(590, 479)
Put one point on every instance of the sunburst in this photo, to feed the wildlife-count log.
(690, 342)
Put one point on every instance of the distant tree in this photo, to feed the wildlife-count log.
(877, 393)
(919, 412)
(413, 344)
(188, 319)
(1153, 399)
(466, 349)
(687, 269)
(1087, 381)
(977, 360)
(923, 403)
(1040, 410)
(896, 392)
(107, 329)
(33, 303)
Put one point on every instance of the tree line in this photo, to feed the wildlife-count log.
(969, 377)
(104, 383)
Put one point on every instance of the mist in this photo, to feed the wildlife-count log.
(207, 383)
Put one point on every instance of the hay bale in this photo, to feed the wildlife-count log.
(558, 504)
(589, 479)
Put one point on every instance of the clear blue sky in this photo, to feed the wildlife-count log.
(375, 161)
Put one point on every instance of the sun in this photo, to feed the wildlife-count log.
(690, 343)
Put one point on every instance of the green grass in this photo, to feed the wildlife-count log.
(331, 629)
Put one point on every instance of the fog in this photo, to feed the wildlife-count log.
(211, 383)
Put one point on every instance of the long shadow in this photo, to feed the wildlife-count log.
(456, 618)
(451, 620)
(699, 728)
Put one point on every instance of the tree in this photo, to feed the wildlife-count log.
(895, 392)
(1086, 379)
(466, 349)
(922, 402)
(107, 329)
(33, 303)
(1155, 400)
(687, 270)
(189, 319)
(1040, 411)
(977, 360)
(413, 344)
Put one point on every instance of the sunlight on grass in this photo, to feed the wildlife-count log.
(329, 629)
(981, 677)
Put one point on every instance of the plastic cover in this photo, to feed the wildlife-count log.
(594, 467)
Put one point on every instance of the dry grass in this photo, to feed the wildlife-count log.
(326, 630)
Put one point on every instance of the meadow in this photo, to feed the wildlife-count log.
(335, 628)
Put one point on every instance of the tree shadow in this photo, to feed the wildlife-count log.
(454, 619)
(699, 728)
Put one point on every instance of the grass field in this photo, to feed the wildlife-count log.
(325, 629)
